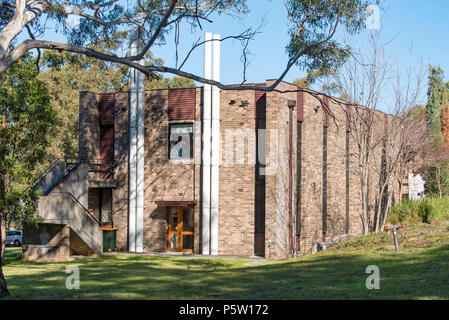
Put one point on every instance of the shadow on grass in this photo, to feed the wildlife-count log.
(406, 275)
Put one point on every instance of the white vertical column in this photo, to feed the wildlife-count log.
(140, 163)
(215, 170)
(206, 161)
(132, 192)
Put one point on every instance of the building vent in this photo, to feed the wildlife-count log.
(106, 109)
(300, 105)
(181, 104)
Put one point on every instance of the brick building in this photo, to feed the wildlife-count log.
(286, 178)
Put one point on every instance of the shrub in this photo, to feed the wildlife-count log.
(365, 241)
(426, 210)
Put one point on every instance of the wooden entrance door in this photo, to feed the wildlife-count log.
(180, 229)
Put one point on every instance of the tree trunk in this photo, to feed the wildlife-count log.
(3, 241)
(387, 209)
(2, 185)
(3, 288)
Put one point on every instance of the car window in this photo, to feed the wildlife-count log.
(14, 233)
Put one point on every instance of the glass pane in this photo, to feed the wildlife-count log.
(106, 205)
(106, 216)
(187, 242)
(173, 241)
(106, 199)
(187, 219)
(183, 128)
(181, 141)
(174, 219)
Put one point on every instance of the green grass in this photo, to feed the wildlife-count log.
(418, 271)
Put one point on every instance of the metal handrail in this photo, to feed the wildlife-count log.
(72, 167)
(43, 174)
(81, 206)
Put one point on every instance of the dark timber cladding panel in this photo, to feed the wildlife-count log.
(348, 118)
(181, 104)
(259, 219)
(261, 104)
(107, 143)
(300, 105)
(106, 151)
(106, 108)
(326, 112)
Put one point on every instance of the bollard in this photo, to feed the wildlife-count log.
(395, 236)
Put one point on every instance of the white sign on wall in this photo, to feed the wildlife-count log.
(416, 186)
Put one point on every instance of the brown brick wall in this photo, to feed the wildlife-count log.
(121, 149)
(336, 171)
(277, 180)
(312, 174)
(181, 180)
(237, 179)
(89, 127)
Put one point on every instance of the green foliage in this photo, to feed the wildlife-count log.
(311, 77)
(426, 210)
(417, 113)
(169, 83)
(437, 177)
(20, 207)
(365, 241)
(27, 120)
(437, 96)
(317, 19)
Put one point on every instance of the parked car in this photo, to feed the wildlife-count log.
(14, 238)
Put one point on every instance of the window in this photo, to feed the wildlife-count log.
(261, 127)
(105, 205)
(181, 141)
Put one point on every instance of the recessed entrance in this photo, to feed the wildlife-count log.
(180, 229)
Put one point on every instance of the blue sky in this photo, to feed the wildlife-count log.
(421, 24)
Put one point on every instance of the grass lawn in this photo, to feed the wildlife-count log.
(419, 271)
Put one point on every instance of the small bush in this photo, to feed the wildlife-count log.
(426, 210)
(365, 241)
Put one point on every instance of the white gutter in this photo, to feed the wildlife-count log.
(215, 170)
(206, 161)
(136, 154)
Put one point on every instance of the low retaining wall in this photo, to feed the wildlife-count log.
(47, 243)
